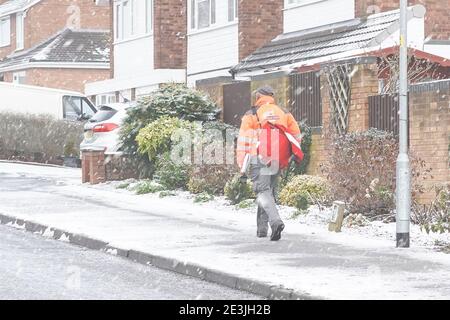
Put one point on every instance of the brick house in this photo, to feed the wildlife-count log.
(324, 72)
(54, 43)
(182, 41)
(148, 49)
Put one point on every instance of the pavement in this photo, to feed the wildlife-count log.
(216, 245)
(34, 267)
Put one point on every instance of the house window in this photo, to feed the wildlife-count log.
(148, 16)
(133, 18)
(105, 99)
(5, 32)
(19, 31)
(232, 10)
(203, 13)
(19, 77)
(127, 19)
(124, 19)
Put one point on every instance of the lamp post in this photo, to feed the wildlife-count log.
(403, 172)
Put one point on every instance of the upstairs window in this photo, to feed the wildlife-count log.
(203, 13)
(133, 18)
(232, 10)
(124, 19)
(19, 31)
(5, 32)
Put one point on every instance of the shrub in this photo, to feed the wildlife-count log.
(155, 138)
(362, 171)
(170, 175)
(434, 217)
(123, 185)
(39, 138)
(303, 190)
(167, 193)
(173, 100)
(203, 197)
(236, 192)
(147, 186)
(210, 178)
(245, 204)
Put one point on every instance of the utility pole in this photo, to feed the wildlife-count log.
(403, 192)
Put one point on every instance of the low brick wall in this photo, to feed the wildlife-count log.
(93, 167)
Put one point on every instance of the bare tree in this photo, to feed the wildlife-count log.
(419, 70)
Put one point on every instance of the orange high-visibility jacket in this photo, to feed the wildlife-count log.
(266, 111)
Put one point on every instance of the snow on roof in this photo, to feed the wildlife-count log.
(322, 41)
(74, 46)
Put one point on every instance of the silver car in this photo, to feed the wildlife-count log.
(101, 132)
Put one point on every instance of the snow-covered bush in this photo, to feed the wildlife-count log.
(155, 138)
(210, 178)
(236, 191)
(203, 197)
(173, 100)
(303, 190)
(38, 138)
(146, 186)
(170, 175)
(434, 217)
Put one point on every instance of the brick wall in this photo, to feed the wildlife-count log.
(364, 83)
(51, 16)
(66, 79)
(259, 22)
(317, 154)
(430, 135)
(281, 87)
(436, 19)
(170, 28)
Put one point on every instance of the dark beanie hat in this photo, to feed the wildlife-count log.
(265, 91)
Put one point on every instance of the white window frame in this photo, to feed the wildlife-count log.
(101, 99)
(119, 18)
(193, 17)
(5, 35)
(20, 31)
(148, 16)
(235, 11)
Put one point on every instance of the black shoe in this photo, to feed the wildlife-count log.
(276, 232)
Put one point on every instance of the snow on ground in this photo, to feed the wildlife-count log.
(316, 218)
(356, 263)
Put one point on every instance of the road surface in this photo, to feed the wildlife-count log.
(33, 267)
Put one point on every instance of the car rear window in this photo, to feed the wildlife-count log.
(103, 114)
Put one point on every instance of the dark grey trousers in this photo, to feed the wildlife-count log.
(264, 184)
